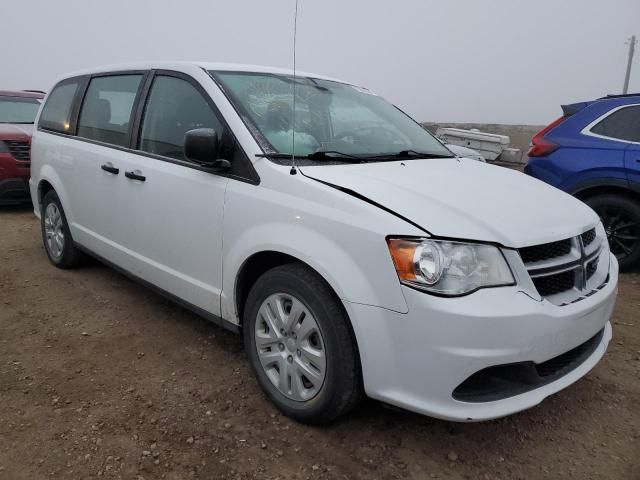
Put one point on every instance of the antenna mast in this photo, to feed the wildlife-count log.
(293, 170)
(632, 47)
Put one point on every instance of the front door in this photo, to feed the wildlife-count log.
(173, 211)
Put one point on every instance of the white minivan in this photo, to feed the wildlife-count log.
(356, 253)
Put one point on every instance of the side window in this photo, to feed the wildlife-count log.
(56, 113)
(623, 124)
(174, 107)
(106, 109)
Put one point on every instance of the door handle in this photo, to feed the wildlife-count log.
(135, 176)
(107, 167)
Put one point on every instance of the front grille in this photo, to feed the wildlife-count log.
(588, 237)
(592, 266)
(19, 149)
(552, 284)
(545, 251)
(565, 270)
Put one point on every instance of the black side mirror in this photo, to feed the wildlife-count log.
(201, 146)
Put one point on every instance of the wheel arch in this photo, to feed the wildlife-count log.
(259, 263)
(253, 268)
(44, 187)
(612, 187)
(49, 180)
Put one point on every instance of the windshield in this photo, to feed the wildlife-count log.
(333, 117)
(18, 109)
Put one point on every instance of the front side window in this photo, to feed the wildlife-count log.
(174, 107)
(330, 117)
(106, 109)
(623, 124)
(56, 113)
(18, 109)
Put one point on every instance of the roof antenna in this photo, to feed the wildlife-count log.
(293, 170)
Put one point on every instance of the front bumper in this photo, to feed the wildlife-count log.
(14, 191)
(14, 180)
(416, 360)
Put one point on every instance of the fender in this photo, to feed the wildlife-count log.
(345, 276)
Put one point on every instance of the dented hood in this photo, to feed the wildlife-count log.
(464, 199)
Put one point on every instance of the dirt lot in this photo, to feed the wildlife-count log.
(100, 378)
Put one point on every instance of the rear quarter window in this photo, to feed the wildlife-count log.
(622, 124)
(56, 113)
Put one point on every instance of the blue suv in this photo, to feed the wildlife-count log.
(593, 152)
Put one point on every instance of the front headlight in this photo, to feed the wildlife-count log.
(3, 147)
(448, 268)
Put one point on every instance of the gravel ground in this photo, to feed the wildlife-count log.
(101, 378)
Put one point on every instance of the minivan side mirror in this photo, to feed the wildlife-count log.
(201, 146)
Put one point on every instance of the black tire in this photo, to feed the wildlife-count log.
(70, 256)
(342, 387)
(621, 219)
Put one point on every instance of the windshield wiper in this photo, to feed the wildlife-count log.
(411, 154)
(319, 155)
(336, 156)
(332, 155)
(279, 156)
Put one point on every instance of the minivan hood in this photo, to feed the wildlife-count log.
(465, 199)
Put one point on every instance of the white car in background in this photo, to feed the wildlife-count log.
(352, 250)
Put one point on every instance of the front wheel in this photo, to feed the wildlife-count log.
(300, 345)
(621, 220)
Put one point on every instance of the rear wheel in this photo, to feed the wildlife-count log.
(56, 235)
(300, 345)
(621, 219)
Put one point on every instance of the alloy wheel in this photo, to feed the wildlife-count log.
(54, 230)
(290, 347)
(623, 231)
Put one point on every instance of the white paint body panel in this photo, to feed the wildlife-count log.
(190, 232)
(462, 198)
(444, 342)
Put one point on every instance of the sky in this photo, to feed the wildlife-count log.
(486, 61)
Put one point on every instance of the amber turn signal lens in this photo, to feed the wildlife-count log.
(402, 253)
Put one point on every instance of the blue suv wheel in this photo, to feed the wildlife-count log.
(621, 219)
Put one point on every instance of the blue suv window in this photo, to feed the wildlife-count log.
(623, 124)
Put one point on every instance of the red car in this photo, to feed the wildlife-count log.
(18, 112)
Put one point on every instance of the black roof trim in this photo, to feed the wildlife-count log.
(620, 95)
